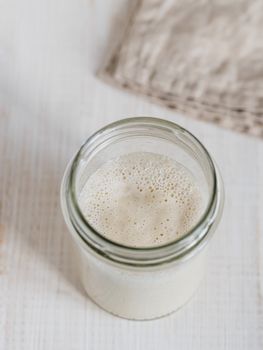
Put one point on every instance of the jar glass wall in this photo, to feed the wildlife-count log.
(145, 282)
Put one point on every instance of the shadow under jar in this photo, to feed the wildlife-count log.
(141, 282)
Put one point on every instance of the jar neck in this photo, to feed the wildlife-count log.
(180, 249)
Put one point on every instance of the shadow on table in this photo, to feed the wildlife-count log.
(32, 174)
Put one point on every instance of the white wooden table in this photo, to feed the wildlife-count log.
(50, 101)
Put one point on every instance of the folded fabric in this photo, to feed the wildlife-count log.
(201, 57)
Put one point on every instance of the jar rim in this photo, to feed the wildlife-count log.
(152, 255)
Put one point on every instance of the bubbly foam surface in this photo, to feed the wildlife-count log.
(141, 200)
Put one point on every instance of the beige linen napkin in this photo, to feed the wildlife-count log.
(201, 57)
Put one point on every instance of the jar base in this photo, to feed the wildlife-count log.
(151, 318)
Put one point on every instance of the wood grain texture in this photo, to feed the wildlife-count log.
(50, 101)
(200, 57)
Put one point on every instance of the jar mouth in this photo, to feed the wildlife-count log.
(89, 237)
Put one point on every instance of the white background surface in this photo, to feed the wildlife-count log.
(50, 101)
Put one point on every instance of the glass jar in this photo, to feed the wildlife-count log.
(141, 283)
